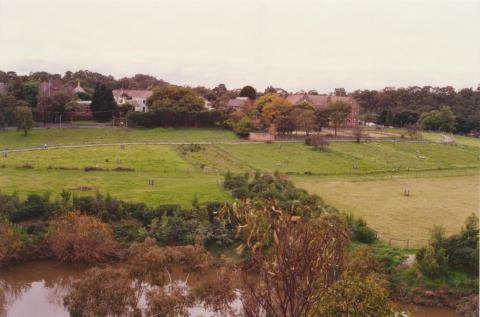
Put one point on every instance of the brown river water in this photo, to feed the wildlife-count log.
(36, 289)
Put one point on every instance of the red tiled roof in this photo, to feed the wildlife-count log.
(318, 101)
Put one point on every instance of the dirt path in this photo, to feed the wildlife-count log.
(64, 146)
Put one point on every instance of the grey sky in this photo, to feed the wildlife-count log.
(290, 44)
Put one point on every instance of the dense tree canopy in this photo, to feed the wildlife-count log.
(442, 120)
(391, 105)
(338, 112)
(24, 89)
(103, 105)
(7, 110)
(249, 92)
(175, 97)
(271, 106)
(24, 117)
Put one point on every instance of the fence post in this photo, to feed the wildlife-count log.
(408, 243)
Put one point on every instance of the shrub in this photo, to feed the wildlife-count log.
(318, 142)
(66, 168)
(359, 229)
(364, 234)
(25, 166)
(172, 117)
(35, 206)
(461, 250)
(102, 292)
(76, 237)
(123, 169)
(432, 262)
(11, 244)
(92, 168)
(190, 148)
(308, 141)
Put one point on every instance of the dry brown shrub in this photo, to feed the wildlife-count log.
(194, 258)
(169, 301)
(103, 292)
(75, 237)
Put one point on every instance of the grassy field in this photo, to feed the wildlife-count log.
(38, 137)
(346, 158)
(177, 181)
(367, 179)
(445, 201)
(438, 136)
(459, 139)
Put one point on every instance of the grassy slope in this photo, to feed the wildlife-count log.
(176, 180)
(342, 157)
(38, 137)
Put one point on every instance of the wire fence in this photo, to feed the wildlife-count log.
(404, 243)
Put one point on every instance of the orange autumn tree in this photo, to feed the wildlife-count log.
(75, 237)
(271, 106)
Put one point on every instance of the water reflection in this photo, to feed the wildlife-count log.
(37, 289)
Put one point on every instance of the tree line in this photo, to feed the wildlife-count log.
(433, 108)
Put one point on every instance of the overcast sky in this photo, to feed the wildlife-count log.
(294, 45)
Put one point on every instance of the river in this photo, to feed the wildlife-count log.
(37, 288)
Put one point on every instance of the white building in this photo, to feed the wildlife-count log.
(79, 88)
(137, 98)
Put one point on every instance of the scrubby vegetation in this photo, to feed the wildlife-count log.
(458, 252)
(444, 272)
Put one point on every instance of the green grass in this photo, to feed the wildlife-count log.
(346, 158)
(177, 181)
(459, 139)
(367, 179)
(38, 137)
(211, 159)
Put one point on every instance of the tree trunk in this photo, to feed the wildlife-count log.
(335, 126)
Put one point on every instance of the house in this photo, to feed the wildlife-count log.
(137, 98)
(322, 102)
(84, 109)
(237, 103)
